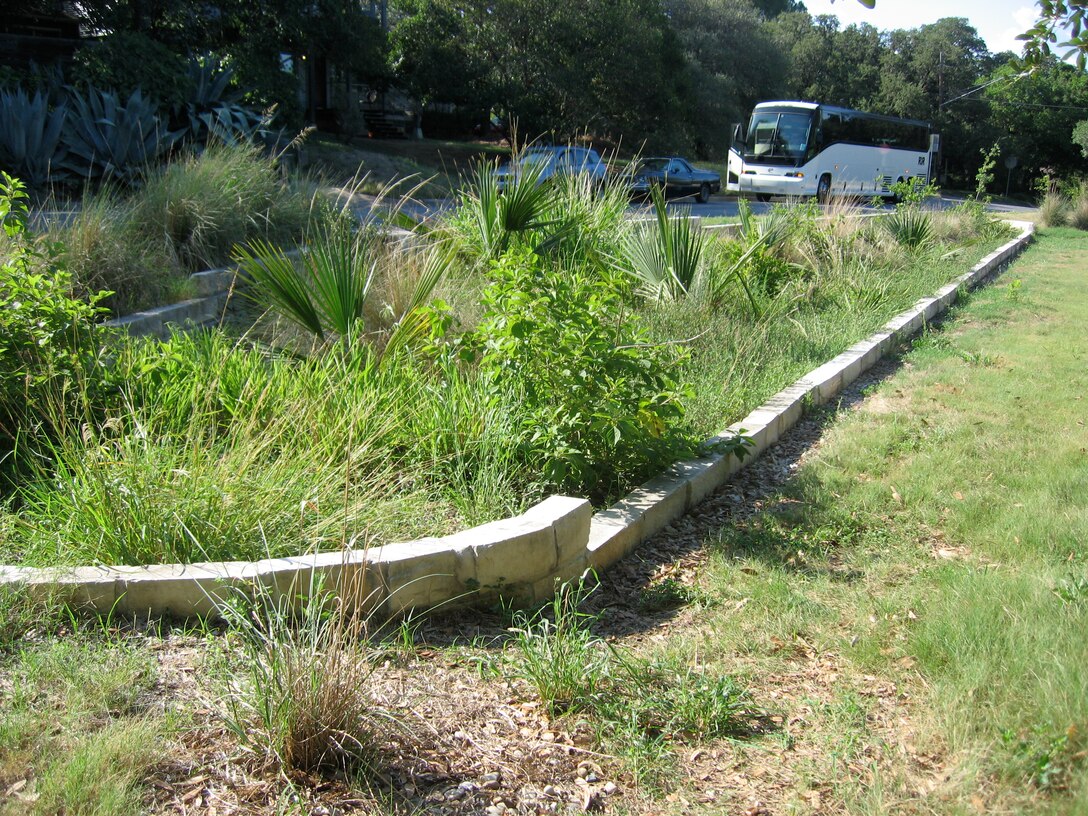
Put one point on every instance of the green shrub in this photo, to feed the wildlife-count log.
(49, 350)
(125, 61)
(599, 408)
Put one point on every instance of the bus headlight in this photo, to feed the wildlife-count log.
(795, 175)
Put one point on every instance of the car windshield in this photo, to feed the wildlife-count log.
(653, 165)
(777, 136)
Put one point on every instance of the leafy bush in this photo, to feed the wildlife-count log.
(48, 341)
(123, 62)
(599, 407)
(30, 137)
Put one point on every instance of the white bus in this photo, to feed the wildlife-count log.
(806, 149)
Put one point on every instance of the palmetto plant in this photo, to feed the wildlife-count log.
(110, 138)
(325, 290)
(755, 235)
(30, 136)
(666, 255)
(910, 227)
(500, 213)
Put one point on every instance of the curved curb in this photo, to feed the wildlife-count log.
(521, 557)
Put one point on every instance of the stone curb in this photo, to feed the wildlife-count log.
(212, 285)
(522, 557)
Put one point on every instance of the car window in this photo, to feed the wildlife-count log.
(535, 157)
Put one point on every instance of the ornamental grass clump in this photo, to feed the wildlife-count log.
(297, 698)
(1053, 210)
(196, 208)
(1078, 212)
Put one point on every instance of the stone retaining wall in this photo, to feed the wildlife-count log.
(521, 557)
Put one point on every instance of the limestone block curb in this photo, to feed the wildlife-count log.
(521, 557)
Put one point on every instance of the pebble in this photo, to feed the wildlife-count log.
(609, 788)
(552, 791)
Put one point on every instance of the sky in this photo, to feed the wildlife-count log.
(997, 21)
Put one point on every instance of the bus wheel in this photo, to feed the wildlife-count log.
(823, 189)
(764, 197)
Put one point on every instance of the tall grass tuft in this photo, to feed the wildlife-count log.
(1053, 210)
(188, 214)
(560, 656)
(199, 206)
(103, 251)
(1078, 213)
(297, 697)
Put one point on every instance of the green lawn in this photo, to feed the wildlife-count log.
(936, 547)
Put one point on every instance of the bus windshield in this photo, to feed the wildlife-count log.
(777, 137)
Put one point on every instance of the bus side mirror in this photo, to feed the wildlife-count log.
(738, 133)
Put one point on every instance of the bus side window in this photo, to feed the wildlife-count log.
(831, 129)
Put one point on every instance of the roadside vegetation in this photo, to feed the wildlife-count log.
(534, 341)
(895, 629)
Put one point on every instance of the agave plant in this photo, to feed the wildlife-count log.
(666, 255)
(213, 109)
(30, 137)
(108, 138)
